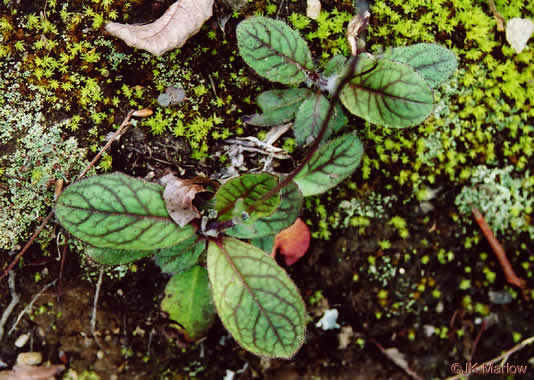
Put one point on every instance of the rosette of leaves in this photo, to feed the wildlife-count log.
(391, 90)
(204, 243)
(124, 219)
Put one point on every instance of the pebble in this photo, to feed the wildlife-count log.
(29, 358)
(22, 340)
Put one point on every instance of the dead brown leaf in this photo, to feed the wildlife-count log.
(28, 372)
(179, 195)
(182, 20)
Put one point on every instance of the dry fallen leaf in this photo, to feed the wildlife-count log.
(179, 195)
(356, 27)
(28, 372)
(182, 20)
(518, 31)
(293, 242)
(398, 358)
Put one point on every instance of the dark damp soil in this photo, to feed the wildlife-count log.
(385, 297)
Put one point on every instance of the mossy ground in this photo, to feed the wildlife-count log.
(409, 270)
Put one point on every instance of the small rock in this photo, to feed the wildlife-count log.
(344, 337)
(29, 358)
(177, 94)
(164, 100)
(500, 297)
(22, 340)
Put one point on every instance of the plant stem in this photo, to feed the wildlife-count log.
(315, 145)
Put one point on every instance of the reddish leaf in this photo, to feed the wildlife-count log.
(179, 195)
(293, 242)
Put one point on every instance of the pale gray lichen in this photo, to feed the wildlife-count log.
(375, 206)
(34, 158)
(504, 198)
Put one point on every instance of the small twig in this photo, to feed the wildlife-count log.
(28, 244)
(95, 304)
(511, 277)
(504, 356)
(477, 339)
(62, 265)
(30, 305)
(14, 300)
(498, 17)
(124, 125)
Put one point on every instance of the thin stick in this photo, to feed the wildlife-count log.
(14, 300)
(504, 356)
(477, 339)
(497, 247)
(28, 244)
(30, 305)
(95, 304)
(124, 125)
(62, 265)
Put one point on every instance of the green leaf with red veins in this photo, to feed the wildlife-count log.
(119, 212)
(278, 106)
(256, 300)
(274, 50)
(330, 165)
(109, 256)
(387, 93)
(235, 199)
(287, 211)
(435, 63)
(310, 116)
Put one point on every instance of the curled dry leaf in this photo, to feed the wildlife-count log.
(182, 20)
(356, 27)
(293, 242)
(28, 372)
(179, 195)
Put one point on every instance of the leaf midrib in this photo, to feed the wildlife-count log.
(242, 279)
(117, 213)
